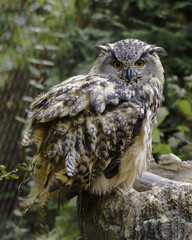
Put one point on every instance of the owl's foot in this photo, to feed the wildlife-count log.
(121, 191)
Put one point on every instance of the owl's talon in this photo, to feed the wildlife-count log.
(121, 191)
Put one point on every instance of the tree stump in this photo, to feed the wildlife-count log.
(157, 207)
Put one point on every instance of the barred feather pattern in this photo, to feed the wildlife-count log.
(92, 132)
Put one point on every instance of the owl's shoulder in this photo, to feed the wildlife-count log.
(78, 93)
(58, 101)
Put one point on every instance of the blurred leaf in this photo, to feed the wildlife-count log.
(4, 172)
(176, 139)
(20, 119)
(34, 70)
(184, 106)
(22, 166)
(51, 81)
(162, 113)
(156, 135)
(36, 84)
(40, 62)
(27, 99)
(183, 128)
(39, 47)
(52, 47)
(182, 4)
(66, 223)
(38, 29)
(162, 149)
(13, 176)
(2, 167)
(17, 213)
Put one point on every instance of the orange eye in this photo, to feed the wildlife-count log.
(140, 63)
(117, 64)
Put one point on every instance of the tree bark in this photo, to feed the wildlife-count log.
(157, 207)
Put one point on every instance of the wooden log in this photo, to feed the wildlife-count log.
(155, 208)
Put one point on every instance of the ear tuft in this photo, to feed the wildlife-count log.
(152, 49)
(101, 48)
(156, 49)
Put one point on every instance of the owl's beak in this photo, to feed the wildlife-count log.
(127, 73)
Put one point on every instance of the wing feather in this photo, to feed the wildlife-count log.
(81, 127)
(76, 94)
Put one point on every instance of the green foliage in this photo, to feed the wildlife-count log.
(66, 226)
(19, 226)
(163, 112)
(4, 175)
(173, 129)
(10, 230)
(48, 223)
(13, 21)
(184, 106)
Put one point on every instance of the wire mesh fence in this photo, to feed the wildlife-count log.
(15, 98)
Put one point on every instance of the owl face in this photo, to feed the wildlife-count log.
(130, 60)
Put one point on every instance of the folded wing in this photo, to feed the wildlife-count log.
(80, 127)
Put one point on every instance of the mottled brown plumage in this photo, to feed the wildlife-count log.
(94, 131)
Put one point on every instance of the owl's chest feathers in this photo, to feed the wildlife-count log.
(135, 158)
(132, 162)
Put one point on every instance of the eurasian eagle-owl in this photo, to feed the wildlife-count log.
(93, 132)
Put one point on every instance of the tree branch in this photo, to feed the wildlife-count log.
(156, 208)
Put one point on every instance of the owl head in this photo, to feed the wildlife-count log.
(129, 60)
